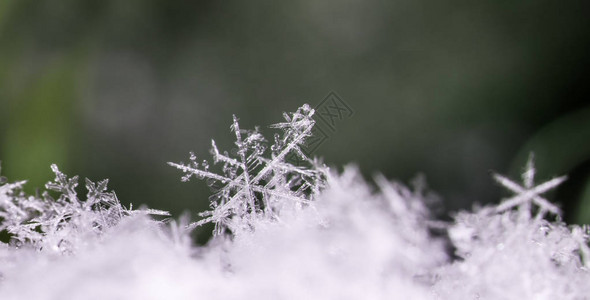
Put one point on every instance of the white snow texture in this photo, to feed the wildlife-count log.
(288, 230)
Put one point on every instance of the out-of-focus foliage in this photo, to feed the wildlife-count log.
(451, 89)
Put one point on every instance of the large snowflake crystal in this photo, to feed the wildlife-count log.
(529, 194)
(255, 181)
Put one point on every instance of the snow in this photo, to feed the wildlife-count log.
(287, 231)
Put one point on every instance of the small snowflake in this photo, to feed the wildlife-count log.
(529, 193)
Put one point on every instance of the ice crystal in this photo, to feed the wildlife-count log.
(58, 224)
(503, 256)
(257, 182)
(581, 236)
(16, 209)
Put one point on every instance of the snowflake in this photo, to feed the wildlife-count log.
(529, 194)
(253, 184)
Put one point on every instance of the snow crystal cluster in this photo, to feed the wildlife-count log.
(288, 231)
(62, 224)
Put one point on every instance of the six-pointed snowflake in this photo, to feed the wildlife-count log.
(257, 182)
(528, 193)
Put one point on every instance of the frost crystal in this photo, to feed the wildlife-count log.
(257, 182)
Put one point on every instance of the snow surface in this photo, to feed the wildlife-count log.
(287, 231)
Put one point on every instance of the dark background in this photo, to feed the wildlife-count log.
(451, 89)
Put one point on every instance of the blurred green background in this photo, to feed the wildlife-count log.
(451, 89)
